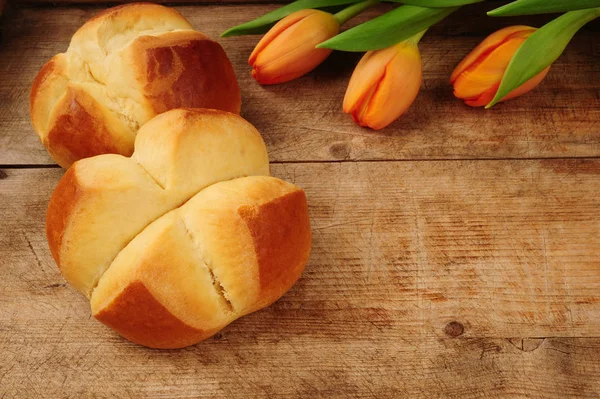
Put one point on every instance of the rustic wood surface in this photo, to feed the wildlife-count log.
(465, 278)
(303, 123)
(449, 259)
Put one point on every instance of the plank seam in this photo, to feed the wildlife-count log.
(50, 166)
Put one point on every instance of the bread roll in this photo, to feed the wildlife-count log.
(122, 68)
(184, 237)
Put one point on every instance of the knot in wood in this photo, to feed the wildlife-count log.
(454, 329)
(340, 150)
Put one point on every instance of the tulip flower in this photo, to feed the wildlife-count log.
(477, 78)
(288, 50)
(384, 84)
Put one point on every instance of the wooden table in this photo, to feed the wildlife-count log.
(455, 254)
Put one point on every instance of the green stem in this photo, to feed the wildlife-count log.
(350, 12)
(416, 38)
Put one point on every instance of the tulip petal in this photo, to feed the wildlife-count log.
(276, 30)
(366, 76)
(362, 106)
(282, 72)
(483, 98)
(384, 85)
(397, 89)
(487, 71)
(487, 96)
(489, 44)
(292, 52)
(526, 87)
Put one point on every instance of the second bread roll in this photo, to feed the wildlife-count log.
(186, 235)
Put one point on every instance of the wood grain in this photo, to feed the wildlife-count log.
(302, 120)
(427, 279)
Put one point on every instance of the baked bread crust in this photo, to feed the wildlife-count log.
(187, 235)
(178, 154)
(122, 68)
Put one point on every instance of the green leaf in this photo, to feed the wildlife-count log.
(530, 7)
(387, 29)
(437, 3)
(541, 49)
(264, 23)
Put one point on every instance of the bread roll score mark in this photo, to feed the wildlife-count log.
(216, 282)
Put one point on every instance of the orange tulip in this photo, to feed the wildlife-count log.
(288, 50)
(477, 78)
(384, 84)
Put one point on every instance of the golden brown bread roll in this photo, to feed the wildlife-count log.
(122, 68)
(184, 237)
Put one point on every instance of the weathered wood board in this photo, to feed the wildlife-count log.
(303, 121)
(426, 279)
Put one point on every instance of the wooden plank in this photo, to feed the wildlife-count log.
(427, 279)
(302, 120)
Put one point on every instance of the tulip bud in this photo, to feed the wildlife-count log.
(288, 50)
(384, 84)
(477, 78)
